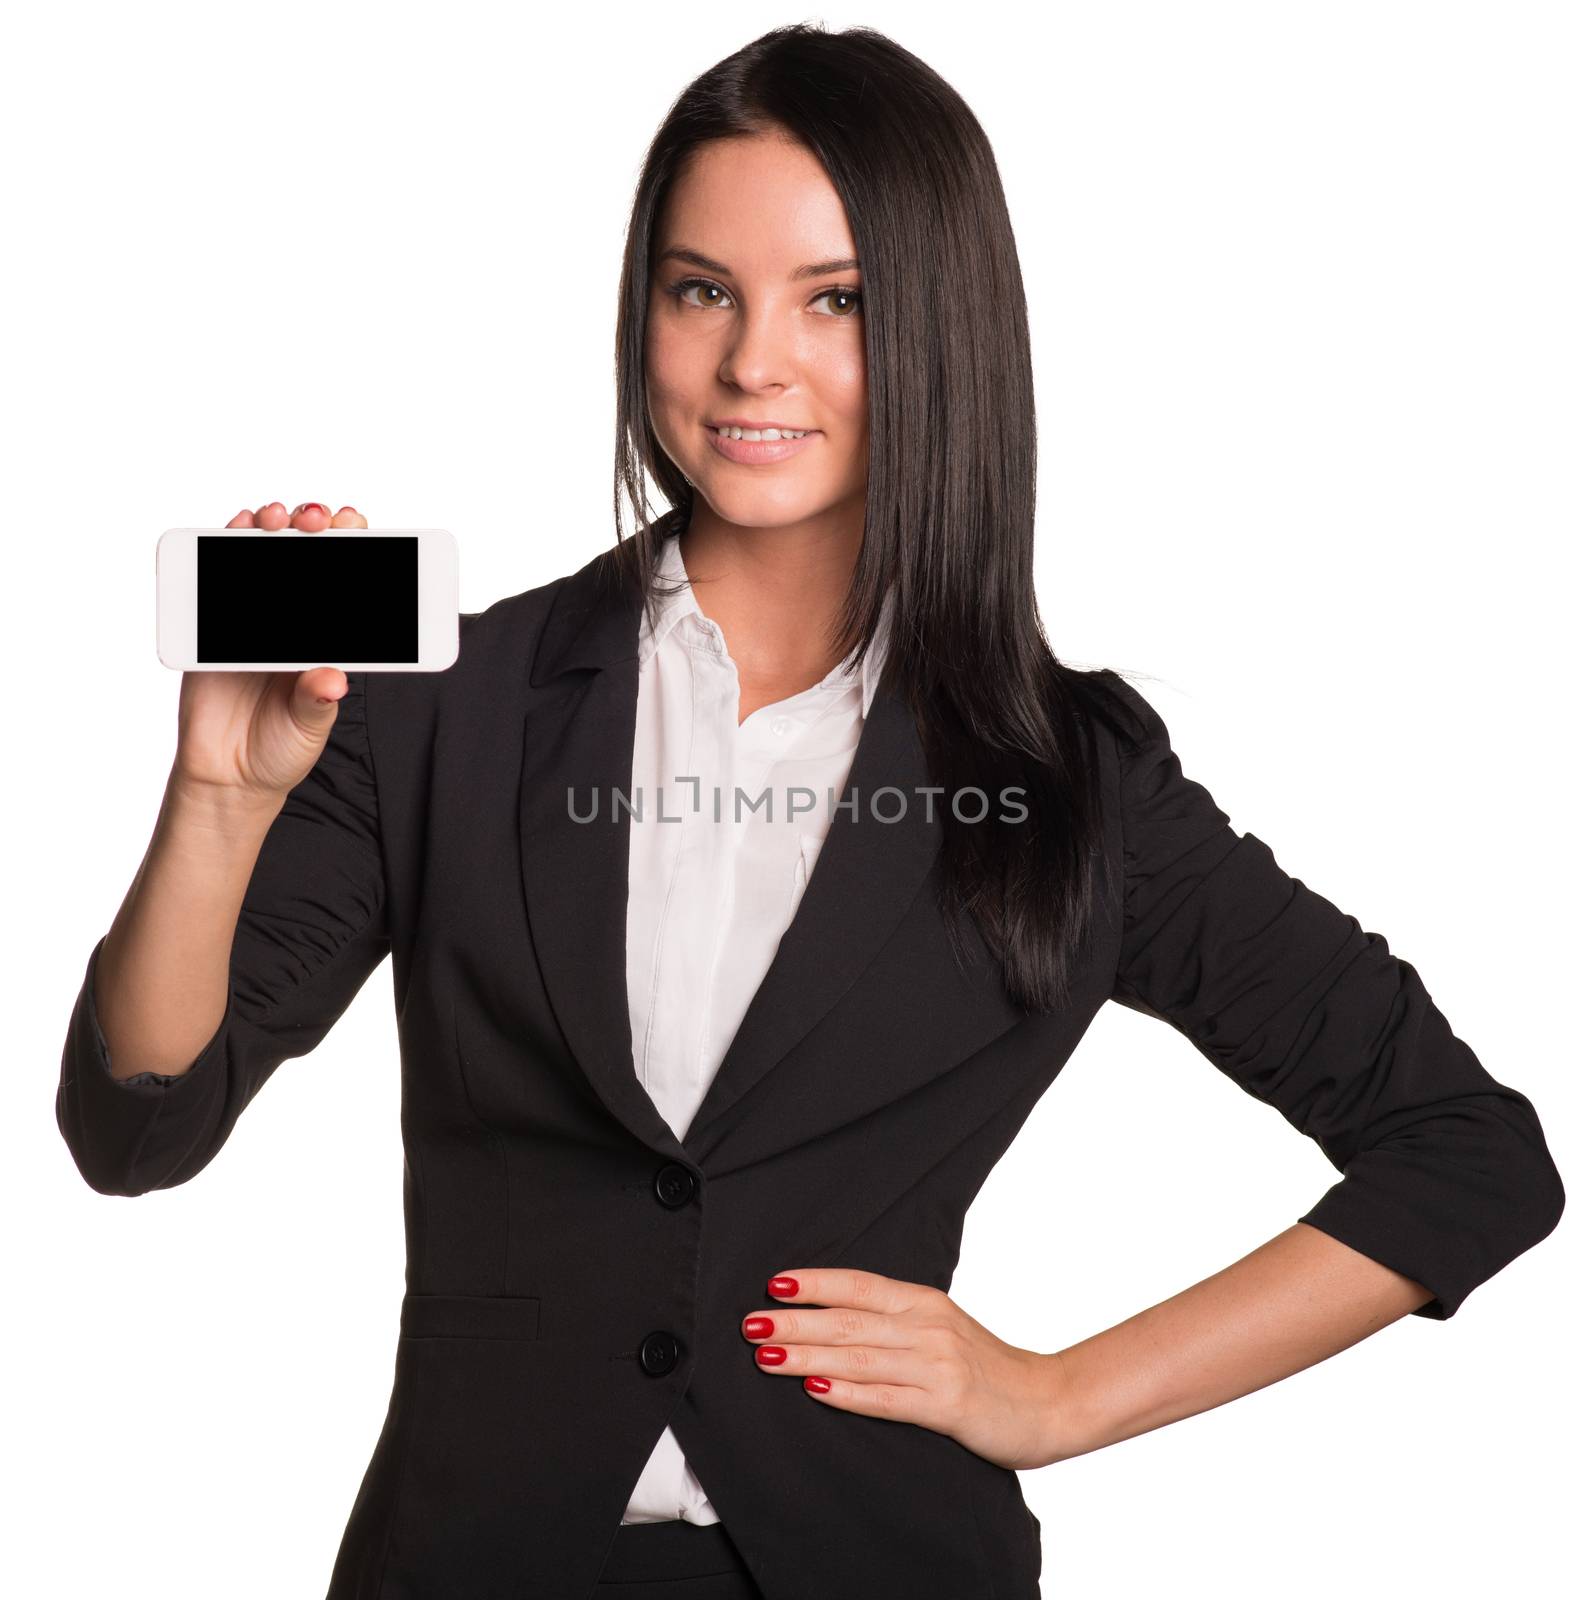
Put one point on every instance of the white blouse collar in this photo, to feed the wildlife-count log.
(673, 608)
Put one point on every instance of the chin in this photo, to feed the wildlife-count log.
(763, 507)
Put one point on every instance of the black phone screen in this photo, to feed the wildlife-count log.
(319, 597)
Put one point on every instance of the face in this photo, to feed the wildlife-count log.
(755, 313)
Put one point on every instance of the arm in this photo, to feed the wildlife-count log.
(311, 928)
(1446, 1173)
(1291, 1303)
(161, 976)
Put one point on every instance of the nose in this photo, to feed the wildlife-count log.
(762, 352)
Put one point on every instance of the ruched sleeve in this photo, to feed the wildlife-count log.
(312, 928)
(1446, 1174)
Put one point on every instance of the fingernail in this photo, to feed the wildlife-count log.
(771, 1355)
(818, 1385)
(782, 1287)
(757, 1327)
(311, 505)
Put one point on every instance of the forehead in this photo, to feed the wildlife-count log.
(760, 203)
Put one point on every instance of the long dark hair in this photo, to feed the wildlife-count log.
(951, 487)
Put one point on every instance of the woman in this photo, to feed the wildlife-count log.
(685, 1116)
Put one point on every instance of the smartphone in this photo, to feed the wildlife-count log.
(362, 599)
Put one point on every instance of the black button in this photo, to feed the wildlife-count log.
(659, 1353)
(675, 1185)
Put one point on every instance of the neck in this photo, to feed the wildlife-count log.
(774, 592)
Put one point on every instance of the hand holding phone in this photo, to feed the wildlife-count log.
(255, 597)
(254, 736)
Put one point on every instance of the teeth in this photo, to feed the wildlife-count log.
(755, 434)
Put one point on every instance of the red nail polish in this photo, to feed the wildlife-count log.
(757, 1327)
(782, 1288)
(771, 1355)
(818, 1385)
(313, 505)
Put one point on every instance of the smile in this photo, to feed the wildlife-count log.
(769, 447)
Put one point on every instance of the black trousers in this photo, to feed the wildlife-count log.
(675, 1560)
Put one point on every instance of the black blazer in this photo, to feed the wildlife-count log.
(577, 1276)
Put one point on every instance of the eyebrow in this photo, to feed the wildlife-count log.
(811, 269)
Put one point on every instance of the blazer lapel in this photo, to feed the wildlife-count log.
(578, 753)
(869, 871)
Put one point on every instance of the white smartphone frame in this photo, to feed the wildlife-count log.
(176, 600)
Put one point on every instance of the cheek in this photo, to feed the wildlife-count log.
(664, 393)
(677, 354)
(841, 374)
(679, 374)
(661, 364)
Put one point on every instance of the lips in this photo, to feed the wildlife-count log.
(739, 422)
(758, 452)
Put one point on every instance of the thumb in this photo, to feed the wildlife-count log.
(317, 695)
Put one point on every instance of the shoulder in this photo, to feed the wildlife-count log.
(1163, 808)
(522, 634)
(505, 635)
(1116, 708)
(496, 650)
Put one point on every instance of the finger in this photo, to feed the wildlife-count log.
(841, 1326)
(243, 519)
(311, 517)
(853, 1363)
(272, 516)
(315, 696)
(347, 517)
(891, 1401)
(847, 1286)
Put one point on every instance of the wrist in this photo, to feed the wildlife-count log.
(217, 809)
(1070, 1409)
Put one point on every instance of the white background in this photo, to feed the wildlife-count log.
(1306, 287)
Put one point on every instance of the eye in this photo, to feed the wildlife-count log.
(685, 286)
(681, 289)
(853, 296)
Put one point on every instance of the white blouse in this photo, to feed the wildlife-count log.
(715, 876)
